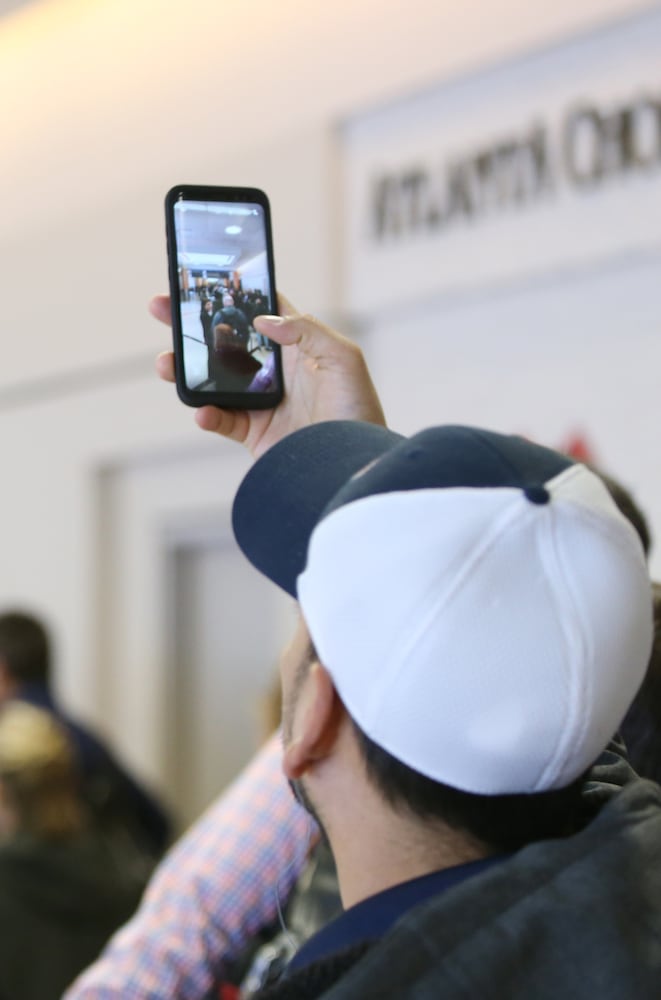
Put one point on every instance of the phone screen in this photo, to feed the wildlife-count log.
(224, 279)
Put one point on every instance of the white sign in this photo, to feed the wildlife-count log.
(547, 163)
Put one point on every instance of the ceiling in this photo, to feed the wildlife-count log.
(203, 240)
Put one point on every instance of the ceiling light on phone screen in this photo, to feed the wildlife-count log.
(233, 230)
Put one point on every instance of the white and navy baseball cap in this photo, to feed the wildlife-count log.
(481, 604)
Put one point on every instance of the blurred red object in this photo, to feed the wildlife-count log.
(579, 447)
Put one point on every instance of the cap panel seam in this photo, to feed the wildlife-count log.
(490, 447)
(623, 541)
(399, 658)
(511, 467)
(576, 721)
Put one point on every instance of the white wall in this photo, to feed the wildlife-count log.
(254, 274)
(106, 104)
(537, 311)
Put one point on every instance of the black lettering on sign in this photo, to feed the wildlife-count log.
(646, 132)
(384, 208)
(538, 163)
(413, 187)
(610, 143)
(595, 144)
(582, 146)
(512, 173)
(515, 172)
(460, 193)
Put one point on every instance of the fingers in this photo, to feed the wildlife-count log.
(159, 307)
(233, 424)
(229, 423)
(165, 366)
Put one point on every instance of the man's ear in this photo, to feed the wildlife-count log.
(318, 715)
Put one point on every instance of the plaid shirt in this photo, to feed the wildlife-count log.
(222, 882)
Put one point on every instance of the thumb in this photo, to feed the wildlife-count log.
(314, 338)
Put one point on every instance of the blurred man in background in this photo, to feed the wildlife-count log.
(63, 887)
(117, 802)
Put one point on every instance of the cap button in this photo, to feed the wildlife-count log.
(537, 494)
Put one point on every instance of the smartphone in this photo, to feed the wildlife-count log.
(220, 259)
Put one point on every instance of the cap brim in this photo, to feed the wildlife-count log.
(281, 499)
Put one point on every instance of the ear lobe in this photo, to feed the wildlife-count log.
(318, 716)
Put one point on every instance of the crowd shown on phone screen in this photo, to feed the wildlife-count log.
(239, 358)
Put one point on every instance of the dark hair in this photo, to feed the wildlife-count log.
(627, 506)
(641, 727)
(25, 647)
(500, 822)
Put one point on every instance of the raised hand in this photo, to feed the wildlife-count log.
(326, 378)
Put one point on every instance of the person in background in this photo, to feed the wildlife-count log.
(62, 890)
(641, 726)
(117, 802)
(231, 365)
(206, 317)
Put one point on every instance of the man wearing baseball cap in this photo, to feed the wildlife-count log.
(475, 619)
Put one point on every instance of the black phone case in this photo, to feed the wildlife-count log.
(212, 397)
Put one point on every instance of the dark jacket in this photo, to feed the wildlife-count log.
(234, 318)
(575, 917)
(115, 800)
(59, 904)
